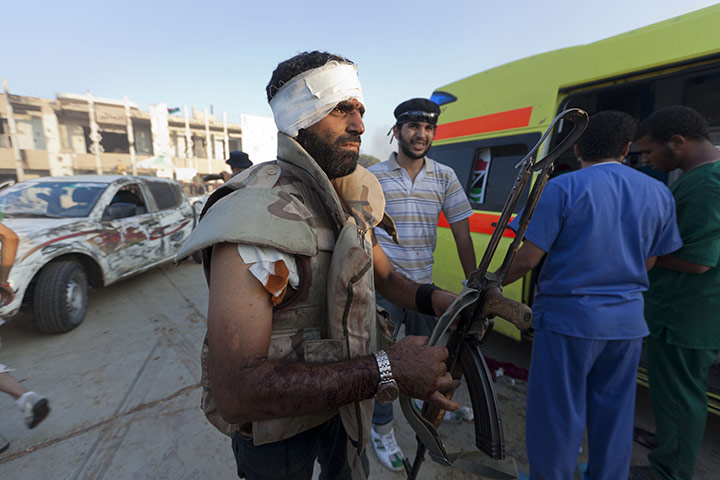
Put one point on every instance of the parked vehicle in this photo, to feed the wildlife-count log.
(198, 203)
(82, 231)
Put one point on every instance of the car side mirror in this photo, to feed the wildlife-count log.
(119, 210)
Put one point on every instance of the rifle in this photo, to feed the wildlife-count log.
(477, 304)
(212, 176)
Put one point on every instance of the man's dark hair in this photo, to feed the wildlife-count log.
(675, 120)
(606, 135)
(296, 65)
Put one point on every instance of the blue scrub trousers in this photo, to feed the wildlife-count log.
(576, 382)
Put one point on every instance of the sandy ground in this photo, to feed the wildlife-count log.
(124, 392)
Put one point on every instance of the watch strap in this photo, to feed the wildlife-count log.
(383, 363)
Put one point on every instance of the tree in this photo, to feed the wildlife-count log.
(368, 160)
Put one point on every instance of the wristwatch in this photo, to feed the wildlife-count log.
(388, 389)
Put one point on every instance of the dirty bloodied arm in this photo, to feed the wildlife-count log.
(464, 245)
(398, 289)
(672, 262)
(248, 386)
(650, 263)
(527, 258)
(9, 240)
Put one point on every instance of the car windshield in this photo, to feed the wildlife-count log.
(50, 199)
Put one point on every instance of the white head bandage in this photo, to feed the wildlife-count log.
(310, 96)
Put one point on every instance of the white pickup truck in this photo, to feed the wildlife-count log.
(82, 231)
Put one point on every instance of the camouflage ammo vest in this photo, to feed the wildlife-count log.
(290, 205)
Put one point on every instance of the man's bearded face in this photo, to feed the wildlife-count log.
(334, 141)
(335, 161)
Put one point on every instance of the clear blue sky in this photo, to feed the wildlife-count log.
(221, 53)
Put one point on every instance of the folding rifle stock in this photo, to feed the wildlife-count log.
(477, 304)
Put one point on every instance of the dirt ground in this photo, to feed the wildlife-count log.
(512, 394)
(124, 393)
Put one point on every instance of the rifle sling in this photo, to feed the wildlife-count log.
(467, 297)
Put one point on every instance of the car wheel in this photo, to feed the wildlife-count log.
(61, 296)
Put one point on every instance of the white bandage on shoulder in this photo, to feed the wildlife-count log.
(310, 96)
(262, 264)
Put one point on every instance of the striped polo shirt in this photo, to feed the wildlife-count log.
(415, 208)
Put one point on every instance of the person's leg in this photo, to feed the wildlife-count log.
(611, 388)
(333, 454)
(678, 385)
(10, 385)
(290, 458)
(383, 414)
(555, 420)
(33, 406)
(382, 435)
(419, 324)
(9, 240)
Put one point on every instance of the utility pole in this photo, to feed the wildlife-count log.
(95, 136)
(209, 149)
(189, 150)
(19, 171)
(227, 139)
(130, 135)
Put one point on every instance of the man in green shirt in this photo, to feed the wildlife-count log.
(682, 304)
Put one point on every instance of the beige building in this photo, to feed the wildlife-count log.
(80, 134)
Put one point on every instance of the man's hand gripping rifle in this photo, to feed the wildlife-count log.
(477, 304)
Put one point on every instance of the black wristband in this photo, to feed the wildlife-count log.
(423, 298)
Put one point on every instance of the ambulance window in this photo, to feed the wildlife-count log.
(703, 94)
(493, 175)
(486, 167)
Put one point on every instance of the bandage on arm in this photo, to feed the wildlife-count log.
(274, 269)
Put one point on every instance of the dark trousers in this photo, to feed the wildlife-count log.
(678, 385)
(294, 458)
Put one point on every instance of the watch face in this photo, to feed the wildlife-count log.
(387, 392)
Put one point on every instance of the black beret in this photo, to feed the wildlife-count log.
(239, 159)
(417, 109)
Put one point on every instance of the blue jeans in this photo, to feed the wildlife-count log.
(295, 457)
(415, 324)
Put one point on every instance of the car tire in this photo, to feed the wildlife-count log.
(61, 296)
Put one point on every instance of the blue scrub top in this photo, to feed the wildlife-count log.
(598, 226)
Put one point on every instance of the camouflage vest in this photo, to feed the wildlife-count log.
(291, 205)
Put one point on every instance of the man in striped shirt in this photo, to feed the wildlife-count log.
(416, 190)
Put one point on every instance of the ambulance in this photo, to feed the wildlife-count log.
(490, 120)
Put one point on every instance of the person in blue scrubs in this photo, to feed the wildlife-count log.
(599, 230)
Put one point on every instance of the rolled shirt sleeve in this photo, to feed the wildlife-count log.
(456, 206)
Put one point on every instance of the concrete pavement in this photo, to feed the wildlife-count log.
(124, 392)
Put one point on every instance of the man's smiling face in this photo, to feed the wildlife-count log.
(415, 138)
